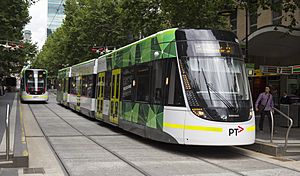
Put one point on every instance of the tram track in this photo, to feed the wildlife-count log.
(217, 165)
(65, 170)
(176, 149)
(129, 162)
(143, 172)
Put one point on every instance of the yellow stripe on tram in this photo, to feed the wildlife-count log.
(190, 127)
(27, 96)
(251, 128)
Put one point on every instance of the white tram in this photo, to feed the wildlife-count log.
(33, 86)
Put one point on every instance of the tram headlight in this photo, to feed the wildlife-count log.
(251, 113)
(198, 112)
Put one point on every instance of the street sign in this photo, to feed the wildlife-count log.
(296, 69)
(269, 69)
(285, 70)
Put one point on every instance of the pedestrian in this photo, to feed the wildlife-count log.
(265, 105)
(285, 99)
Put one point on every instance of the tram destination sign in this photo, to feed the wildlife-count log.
(296, 69)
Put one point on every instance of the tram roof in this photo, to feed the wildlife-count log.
(160, 34)
(162, 42)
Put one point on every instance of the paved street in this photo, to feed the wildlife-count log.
(62, 142)
(4, 100)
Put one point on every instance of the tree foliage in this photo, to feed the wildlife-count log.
(14, 16)
(91, 23)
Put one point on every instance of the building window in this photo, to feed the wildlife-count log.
(233, 21)
(276, 15)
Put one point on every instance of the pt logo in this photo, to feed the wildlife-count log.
(235, 131)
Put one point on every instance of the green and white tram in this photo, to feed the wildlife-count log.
(63, 95)
(33, 86)
(182, 86)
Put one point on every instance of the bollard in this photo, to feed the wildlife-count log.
(7, 133)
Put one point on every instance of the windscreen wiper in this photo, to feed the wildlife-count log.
(218, 95)
(223, 99)
(207, 85)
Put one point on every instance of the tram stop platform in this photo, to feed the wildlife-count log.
(18, 152)
(263, 142)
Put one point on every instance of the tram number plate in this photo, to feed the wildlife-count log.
(35, 96)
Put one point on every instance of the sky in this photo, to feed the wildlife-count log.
(38, 22)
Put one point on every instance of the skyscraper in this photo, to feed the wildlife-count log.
(27, 35)
(55, 15)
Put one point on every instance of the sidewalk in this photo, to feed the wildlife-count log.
(276, 148)
(28, 147)
(13, 115)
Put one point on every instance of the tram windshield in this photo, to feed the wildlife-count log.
(217, 76)
(35, 82)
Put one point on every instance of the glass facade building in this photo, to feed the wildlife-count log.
(55, 15)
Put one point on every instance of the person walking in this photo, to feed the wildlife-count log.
(264, 104)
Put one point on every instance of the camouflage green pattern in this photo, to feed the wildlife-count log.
(143, 114)
(161, 45)
(164, 46)
(142, 51)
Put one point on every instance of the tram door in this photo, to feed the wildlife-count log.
(115, 96)
(79, 84)
(100, 95)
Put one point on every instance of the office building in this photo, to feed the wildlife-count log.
(55, 15)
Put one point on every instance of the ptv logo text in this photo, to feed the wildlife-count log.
(235, 131)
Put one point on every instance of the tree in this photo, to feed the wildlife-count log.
(90, 23)
(193, 13)
(13, 17)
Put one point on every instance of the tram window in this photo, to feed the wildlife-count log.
(22, 84)
(107, 85)
(127, 77)
(138, 53)
(87, 86)
(175, 95)
(157, 82)
(69, 85)
(117, 85)
(73, 86)
(143, 83)
(29, 75)
(84, 86)
(59, 86)
(78, 85)
(98, 86)
(65, 83)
